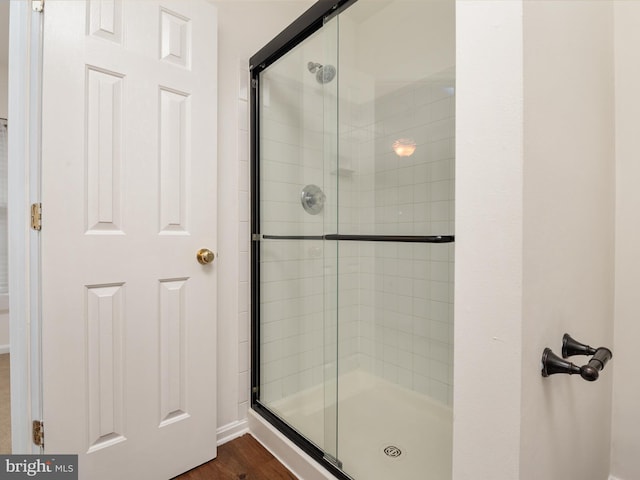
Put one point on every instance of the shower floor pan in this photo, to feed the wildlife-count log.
(385, 431)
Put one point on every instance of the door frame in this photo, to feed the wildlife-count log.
(25, 85)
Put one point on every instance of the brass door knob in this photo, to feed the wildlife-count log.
(205, 256)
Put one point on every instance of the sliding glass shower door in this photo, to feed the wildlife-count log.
(297, 207)
(353, 231)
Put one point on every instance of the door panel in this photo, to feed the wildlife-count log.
(129, 193)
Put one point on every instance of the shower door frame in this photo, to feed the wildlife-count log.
(308, 23)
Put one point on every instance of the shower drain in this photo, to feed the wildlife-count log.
(392, 451)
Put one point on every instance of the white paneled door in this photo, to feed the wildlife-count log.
(128, 199)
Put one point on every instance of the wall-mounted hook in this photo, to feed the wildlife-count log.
(552, 364)
(571, 347)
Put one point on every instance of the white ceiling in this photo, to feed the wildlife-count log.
(4, 32)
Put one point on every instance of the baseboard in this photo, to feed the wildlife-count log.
(290, 455)
(232, 430)
(4, 349)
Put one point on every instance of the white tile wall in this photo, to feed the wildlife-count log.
(405, 314)
(409, 336)
(292, 154)
(394, 301)
(294, 315)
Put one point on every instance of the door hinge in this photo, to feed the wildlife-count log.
(38, 433)
(254, 83)
(36, 216)
(37, 5)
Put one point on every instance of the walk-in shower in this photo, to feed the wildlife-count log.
(353, 201)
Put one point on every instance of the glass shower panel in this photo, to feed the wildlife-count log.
(327, 78)
(396, 135)
(297, 206)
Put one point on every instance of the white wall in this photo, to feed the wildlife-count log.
(568, 242)
(489, 218)
(4, 332)
(244, 27)
(534, 243)
(4, 57)
(4, 84)
(625, 445)
(4, 314)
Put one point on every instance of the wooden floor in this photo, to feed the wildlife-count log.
(241, 459)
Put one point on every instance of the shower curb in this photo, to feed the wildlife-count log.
(290, 455)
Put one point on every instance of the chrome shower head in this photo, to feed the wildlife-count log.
(324, 73)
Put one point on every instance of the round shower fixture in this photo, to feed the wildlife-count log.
(324, 73)
(312, 198)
